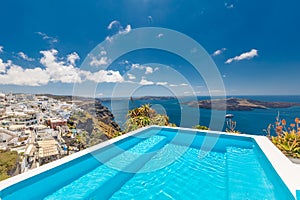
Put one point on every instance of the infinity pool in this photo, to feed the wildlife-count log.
(157, 163)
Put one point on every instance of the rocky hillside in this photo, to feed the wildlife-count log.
(239, 104)
(95, 120)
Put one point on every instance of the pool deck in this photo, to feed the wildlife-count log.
(288, 171)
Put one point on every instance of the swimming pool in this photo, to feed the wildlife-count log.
(163, 163)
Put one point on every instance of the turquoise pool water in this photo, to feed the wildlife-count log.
(161, 164)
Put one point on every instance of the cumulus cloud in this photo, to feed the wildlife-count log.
(109, 39)
(68, 73)
(16, 75)
(4, 65)
(116, 26)
(98, 62)
(137, 66)
(107, 76)
(59, 71)
(146, 82)
(71, 58)
(54, 69)
(50, 39)
(131, 76)
(149, 70)
(219, 51)
(126, 30)
(1, 49)
(103, 53)
(25, 57)
(247, 55)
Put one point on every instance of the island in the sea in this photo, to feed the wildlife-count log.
(239, 104)
(156, 98)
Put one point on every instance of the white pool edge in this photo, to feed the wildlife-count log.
(288, 171)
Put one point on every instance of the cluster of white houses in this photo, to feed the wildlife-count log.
(33, 125)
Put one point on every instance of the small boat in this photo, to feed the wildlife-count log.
(229, 116)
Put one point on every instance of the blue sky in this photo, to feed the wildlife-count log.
(254, 44)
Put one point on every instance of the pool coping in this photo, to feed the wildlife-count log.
(289, 172)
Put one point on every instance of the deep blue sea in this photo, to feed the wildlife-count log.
(251, 122)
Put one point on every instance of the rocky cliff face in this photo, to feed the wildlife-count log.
(101, 113)
(92, 118)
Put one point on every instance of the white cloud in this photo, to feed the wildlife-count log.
(108, 76)
(146, 82)
(4, 65)
(98, 62)
(16, 75)
(131, 76)
(56, 70)
(182, 85)
(162, 83)
(72, 58)
(113, 23)
(110, 39)
(149, 70)
(160, 35)
(25, 57)
(218, 52)
(137, 66)
(1, 49)
(50, 39)
(59, 70)
(126, 30)
(103, 53)
(119, 27)
(247, 55)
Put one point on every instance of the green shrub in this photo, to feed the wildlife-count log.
(145, 116)
(287, 138)
(200, 127)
